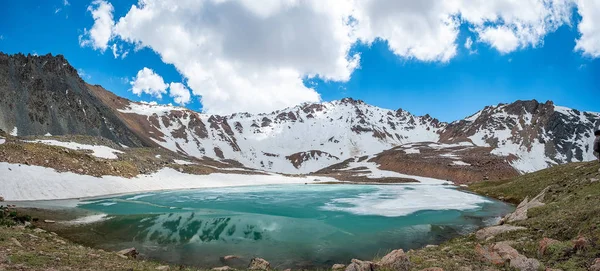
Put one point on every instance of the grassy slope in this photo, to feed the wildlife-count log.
(45, 251)
(572, 209)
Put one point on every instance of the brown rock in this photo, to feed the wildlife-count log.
(489, 255)
(595, 265)
(492, 231)
(259, 264)
(223, 268)
(358, 265)
(395, 260)
(128, 253)
(338, 267)
(581, 243)
(163, 268)
(502, 252)
(544, 244)
(49, 221)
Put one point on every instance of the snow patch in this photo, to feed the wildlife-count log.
(22, 182)
(182, 162)
(14, 132)
(460, 163)
(376, 173)
(48, 134)
(98, 150)
(412, 151)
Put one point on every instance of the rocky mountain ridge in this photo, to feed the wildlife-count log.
(528, 135)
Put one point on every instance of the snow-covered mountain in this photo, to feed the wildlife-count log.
(44, 95)
(530, 134)
(300, 139)
(309, 137)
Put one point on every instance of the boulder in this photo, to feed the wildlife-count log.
(595, 265)
(163, 268)
(358, 265)
(395, 260)
(338, 267)
(521, 212)
(1, 198)
(492, 231)
(49, 221)
(223, 268)
(489, 255)
(128, 253)
(501, 252)
(544, 244)
(259, 264)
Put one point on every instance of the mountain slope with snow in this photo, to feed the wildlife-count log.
(531, 135)
(300, 139)
(44, 95)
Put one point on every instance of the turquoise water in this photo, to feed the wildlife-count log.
(292, 226)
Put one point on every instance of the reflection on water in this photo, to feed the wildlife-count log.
(289, 227)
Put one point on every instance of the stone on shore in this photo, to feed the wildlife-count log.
(338, 267)
(521, 212)
(492, 231)
(128, 253)
(358, 265)
(259, 264)
(395, 260)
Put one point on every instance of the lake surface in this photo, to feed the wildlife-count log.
(292, 226)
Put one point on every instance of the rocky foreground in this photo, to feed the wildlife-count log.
(555, 227)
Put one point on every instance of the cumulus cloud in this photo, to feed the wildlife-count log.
(249, 56)
(101, 32)
(148, 82)
(425, 30)
(502, 38)
(589, 42)
(179, 93)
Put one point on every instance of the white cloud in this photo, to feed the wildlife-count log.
(469, 45)
(425, 30)
(66, 3)
(146, 81)
(253, 56)
(57, 10)
(115, 50)
(101, 32)
(118, 51)
(589, 27)
(257, 67)
(502, 38)
(180, 94)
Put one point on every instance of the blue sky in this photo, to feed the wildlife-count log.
(448, 90)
